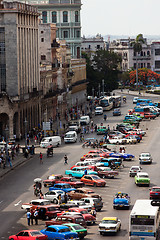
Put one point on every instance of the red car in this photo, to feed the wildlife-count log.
(29, 234)
(100, 152)
(72, 181)
(155, 193)
(51, 180)
(90, 156)
(93, 180)
(149, 116)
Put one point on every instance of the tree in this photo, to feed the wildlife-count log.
(137, 47)
(144, 75)
(104, 65)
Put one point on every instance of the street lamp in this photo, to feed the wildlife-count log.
(93, 91)
(7, 135)
(25, 126)
(103, 86)
(99, 88)
(57, 120)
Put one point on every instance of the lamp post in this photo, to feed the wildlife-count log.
(57, 120)
(99, 88)
(103, 86)
(7, 135)
(93, 91)
(25, 126)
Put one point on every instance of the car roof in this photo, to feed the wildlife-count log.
(110, 218)
(70, 132)
(57, 227)
(142, 173)
(135, 167)
(40, 200)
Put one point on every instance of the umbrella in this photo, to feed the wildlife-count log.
(37, 180)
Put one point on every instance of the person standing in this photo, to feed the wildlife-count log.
(32, 216)
(36, 216)
(65, 159)
(28, 217)
(41, 158)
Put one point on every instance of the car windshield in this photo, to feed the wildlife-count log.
(96, 177)
(35, 233)
(155, 189)
(109, 221)
(145, 155)
(67, 186)
(79, 220)
(84, 212)
(77, 227)
(143, 176)
(69, 135)
(64, 230)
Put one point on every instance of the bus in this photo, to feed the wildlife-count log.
(116, 101)
(144, 221)
(106, 103)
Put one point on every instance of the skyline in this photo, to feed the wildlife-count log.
(118, 17)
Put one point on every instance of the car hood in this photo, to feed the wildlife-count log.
(107, 225)
(121, 200)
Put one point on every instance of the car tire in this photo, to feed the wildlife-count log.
(70, 175)
(55, 201)
(119, 228)
(114, 207)
(58, 144)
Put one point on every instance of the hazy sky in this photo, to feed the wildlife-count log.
(120, 17)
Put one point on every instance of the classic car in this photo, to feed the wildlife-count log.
(142, 178)
(67, 219)
(51, 180)
(149, 116)
(53, 195)
(121, 200)
(59, 232)
(93, 180)
(116, 112)
(79, 164)
(72, 181)
(48, 211)
(98, 110)
(78, 172)
(130, 139)
(90, 155)
(145, 158)
(81, 193)
(117, 140)
(106, 172)
(94, 202)
(109, 225)
(101, 130)
(29, 234)
(155, 192)
(134, 170)
(73, 227)
(105, 162)
(62, 186)
(35, 203)
(124, 156)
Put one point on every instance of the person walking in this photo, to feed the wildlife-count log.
(36, 216)
(32, 216)
(41, 158)
(65, 159)
(28, 214)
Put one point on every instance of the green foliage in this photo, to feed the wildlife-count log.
(104, 65)
(137, 44)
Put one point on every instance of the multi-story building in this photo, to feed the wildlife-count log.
(66, 15)
(124, 48)
(19, 67)
(155, 50)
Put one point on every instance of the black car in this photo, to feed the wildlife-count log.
(116, 112)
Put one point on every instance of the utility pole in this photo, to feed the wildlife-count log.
(103, 86)
(93, 91)
(99, 88)
(25, 125)
(57, 121)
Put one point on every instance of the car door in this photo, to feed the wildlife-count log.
(51, 233)
(88, 180)
(20, 235)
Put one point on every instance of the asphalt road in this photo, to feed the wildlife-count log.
(17, 186)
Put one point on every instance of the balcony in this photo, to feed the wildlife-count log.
(142, 57)
(71, 24)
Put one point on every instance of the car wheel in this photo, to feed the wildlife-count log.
(70, 175)
(57, 144)
(55, 201)
(114, 207)
(120, 228)
(95, 185)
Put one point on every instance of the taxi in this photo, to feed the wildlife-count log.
(109, 225)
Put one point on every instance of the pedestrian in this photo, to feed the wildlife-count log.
(65, 159)
(95, 127)
(35, 139)
(59, 199)
(28, 214)
(93, 212)
(65, 197)
(41, 158)
(85, 172)
(32, 215)
(9, 161)
(36, 216)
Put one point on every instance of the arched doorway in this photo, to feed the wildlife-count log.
(4, 122)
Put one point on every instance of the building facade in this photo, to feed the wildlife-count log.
(19, 67)
(66, 15)
(155, 54)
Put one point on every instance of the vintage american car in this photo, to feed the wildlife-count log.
(155, 192)
(73, 227)
(106, 172)
(145, 158)
(134, 170)
(117, 140)
(72, 181)
(142, 178)
(121, 200)
(62, 186)
(82, 192)
(78, 172)
(59, 232)
(35, 203)
(93, 180)
(29, 234)
(53, 195)
(109, 225)
(101, 130)
(51, 180)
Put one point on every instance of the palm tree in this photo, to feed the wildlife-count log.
(137, 47)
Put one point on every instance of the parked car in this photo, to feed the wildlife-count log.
(131, 139)
(72, 181)
(116, 112)
(109, 225)
(73, 227)
(59, 232)
(80, 204)
(53, 195)
(48, 211)
(135, 100)
(78, 172)
(62, 186)
(35, 203)
(145, 158)
(51, 180)
(93, 180)
(155, 193)
(121, 200)
(142, 178)
(29, 234)
(67, 219)
(98, 110)
(149, 116)
(83, 192)
(101, 130)
(106, 172)
(134, 170)
(117, 140)
(94, 202)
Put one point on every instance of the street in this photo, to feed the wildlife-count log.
(17, 186)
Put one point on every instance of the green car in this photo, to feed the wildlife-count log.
(142, 178)
(101, 130)
(81, 231)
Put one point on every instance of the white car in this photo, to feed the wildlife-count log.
(135, 100)
(81, 204)
(117, 140)
(98, 111)
(131, 140)
(134, 170)
(35, 202)
(109, 225)
(145, 158)
(53, 195)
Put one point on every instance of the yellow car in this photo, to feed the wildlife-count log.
(109, 225)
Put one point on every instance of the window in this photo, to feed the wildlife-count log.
(148, 53)
(157, 64)
(2, 60)
(54, 17)
(78, 34)
(141, 65)
(148, 65)
(144, 65)
(65, 16)
(44, 16)
(98, 46)
(42, 39)
(134, 65)
(43, 57)
(76, 16)
(157, 51)
(41, 32)
(65, 34)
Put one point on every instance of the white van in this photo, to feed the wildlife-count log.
(70, 136)
(55, 141)
(84, 120)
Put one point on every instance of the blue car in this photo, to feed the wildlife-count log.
(121, 200)
(62, 186)
(124, 156)
(59, 232)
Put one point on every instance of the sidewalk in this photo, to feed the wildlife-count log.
(136, 93)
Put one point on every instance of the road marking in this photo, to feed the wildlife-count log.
(1, 202)
(16, 204)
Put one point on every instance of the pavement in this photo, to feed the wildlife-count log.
(20, 159)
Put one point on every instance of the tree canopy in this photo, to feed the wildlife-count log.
(104, 65)
(144, 76)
